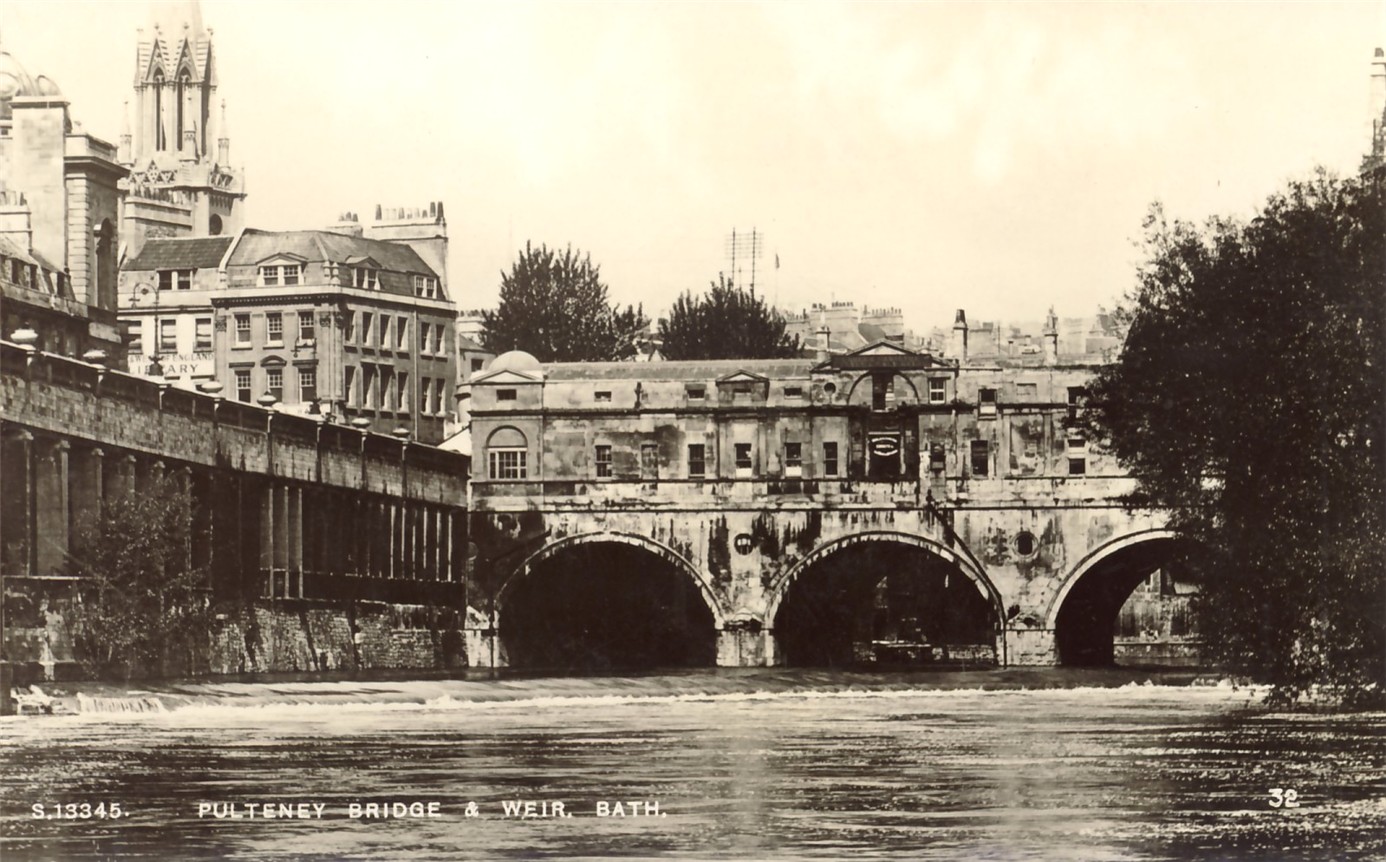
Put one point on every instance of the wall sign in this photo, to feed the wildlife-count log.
(885, 445)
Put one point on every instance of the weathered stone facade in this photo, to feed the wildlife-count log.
(746, 476)
(345, 547)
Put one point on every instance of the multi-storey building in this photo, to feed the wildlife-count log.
(319, 322)
(58, 215)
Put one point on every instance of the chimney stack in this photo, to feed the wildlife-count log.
(1051, 338)
(957, 346)
(824, 349)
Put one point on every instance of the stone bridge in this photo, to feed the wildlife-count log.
(1051, 569)
(884, 505)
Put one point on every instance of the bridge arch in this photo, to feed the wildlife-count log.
(664, 552)
(779, 588)
(1086, 604)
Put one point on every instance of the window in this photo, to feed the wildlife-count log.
(203, 329)
(603, 461)
(477, 365)
(697, 460)
(1077, 399)
(402, 335)
(365, 278)
(367, 329)
(290, 273)
(425, 330)
(426, 286)
(368, 387)
(506, 451)
(980, 457)
(505, 394)
(348, 385)
(696, 393)
(307, 384)
(793, 460)
(168, 336)
(426, 395)
(387, 389)
(649, 461)
(830, 467)
(507, 463)
(274, 327)
(1077, 466)
(385, 342)
(176, 278)
(1077, 455)
(242, 330)
(134, 335)
(938, 457)
(794, 392)
(882, 391)
(1026, 391)
(243, 384)
(986, 402)
(743, 461)
(438, 339)
(269, 276)
(602, 395)
(405, 402)
(274, 383)
(438, 397)
(938, 390)
(349, 334)
(306, 330)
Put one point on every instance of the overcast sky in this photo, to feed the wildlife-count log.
(996, 157)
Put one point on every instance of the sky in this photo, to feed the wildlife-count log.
(997, 157)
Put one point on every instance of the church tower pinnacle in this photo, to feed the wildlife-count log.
(180, 183)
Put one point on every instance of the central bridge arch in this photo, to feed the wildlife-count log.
(932, 562)
(607, 599)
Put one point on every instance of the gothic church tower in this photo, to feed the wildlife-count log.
(175, 141)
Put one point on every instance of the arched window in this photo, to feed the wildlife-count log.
(159, 142)
(506, 454)
(183, 81)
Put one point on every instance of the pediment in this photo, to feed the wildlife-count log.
(506, 376)
(742, 377)
(882, 348)
(273, 362)
(363, 260)
(282, 257)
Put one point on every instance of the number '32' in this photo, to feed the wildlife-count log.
(1281, 797)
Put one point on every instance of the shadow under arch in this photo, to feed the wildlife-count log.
(664, 552)
(1083, 612)
(780, 587)
(601, 601)
(871, 375)
(884, 597)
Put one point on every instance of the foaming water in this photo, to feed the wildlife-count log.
(769, 764)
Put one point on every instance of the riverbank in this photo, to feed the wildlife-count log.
(507, 685)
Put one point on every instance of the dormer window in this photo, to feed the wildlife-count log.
(180, 279)
(275, 275)
(365, 278)
(426, 286)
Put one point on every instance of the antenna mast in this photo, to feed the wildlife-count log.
(743, 245)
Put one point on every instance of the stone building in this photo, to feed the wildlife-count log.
(58, 217)
(883, 504)
(322, 321)
(176, 142)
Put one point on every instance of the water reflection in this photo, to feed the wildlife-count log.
(770, 764)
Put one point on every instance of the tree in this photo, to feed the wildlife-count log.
(556, 308)
(141, 604)
(1248, 402)
(727, 322)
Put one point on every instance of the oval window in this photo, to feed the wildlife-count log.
(1025, 543)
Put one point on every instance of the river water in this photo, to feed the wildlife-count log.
(760, 764)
